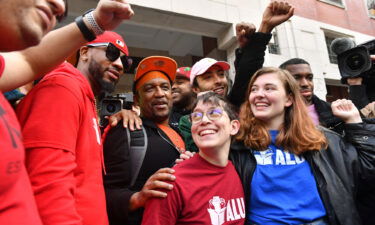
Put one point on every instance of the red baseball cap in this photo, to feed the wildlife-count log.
(107, 37)
(184, 72)
(111, 37)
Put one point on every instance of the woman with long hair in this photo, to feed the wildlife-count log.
(292, 171)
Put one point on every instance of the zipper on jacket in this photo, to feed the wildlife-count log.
(165, 139)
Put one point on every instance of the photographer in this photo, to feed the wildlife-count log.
(356, 65)
(361, 90)
(363, 97)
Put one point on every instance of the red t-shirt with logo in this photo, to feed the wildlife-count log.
(63, 148)
(17, 204)
(202, 194)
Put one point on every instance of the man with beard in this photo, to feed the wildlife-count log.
(135, 175)
(61, 135)
(23, 24)
(209, 75)
(320, 111)
(182, 95)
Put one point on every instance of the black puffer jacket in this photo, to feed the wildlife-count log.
(337, 169)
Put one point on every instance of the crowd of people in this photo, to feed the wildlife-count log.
(193, 150)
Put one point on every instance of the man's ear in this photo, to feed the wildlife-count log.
(84, 53)
(136, 98)
(196, 90)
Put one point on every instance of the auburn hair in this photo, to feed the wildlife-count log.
(298, 133)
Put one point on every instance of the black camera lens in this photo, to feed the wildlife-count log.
(111, 108)
(355, 61)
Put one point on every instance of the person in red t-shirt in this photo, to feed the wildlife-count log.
(207, 189)
(23, 24)
(61, 134)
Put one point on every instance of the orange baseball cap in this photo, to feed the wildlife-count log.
(163, 64)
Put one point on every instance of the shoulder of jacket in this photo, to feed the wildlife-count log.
(325, 130)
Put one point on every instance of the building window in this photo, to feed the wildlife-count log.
(329, 37)
(273, 46)
(334, 2)
(371, 7)
(332, 56)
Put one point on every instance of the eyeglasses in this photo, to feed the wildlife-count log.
(65, 14)
(113, 53)
(213, 114)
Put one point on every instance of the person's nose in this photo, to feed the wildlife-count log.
(58, 7)
(205, 119)
(259, 93)
(303, 82)
(159, 92)
(218, 79)
(118, 65)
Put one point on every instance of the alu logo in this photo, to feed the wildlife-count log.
(221, 211)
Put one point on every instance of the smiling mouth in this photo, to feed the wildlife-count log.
(305, 92)
(160, 105)
(206, 132)
(219, 90)
(261, 105)
(46, 16)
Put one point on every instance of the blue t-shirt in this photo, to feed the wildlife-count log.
(283, 189)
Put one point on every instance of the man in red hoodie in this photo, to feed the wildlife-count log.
(62, 137)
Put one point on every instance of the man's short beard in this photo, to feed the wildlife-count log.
(97, 72)
(185, 101)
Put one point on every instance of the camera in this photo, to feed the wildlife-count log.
(110, 105)
(356, 62)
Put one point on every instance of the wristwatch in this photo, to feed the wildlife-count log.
(88, 34)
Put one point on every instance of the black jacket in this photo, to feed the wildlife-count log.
(175, 116)
(248, 60)
(326, 117)
(160, 153)
(337, 170)
(361, 95)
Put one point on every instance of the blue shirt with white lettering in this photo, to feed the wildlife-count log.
(283, 189)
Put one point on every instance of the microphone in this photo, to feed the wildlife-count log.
(340, 45)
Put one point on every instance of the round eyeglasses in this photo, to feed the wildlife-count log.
(212, 114)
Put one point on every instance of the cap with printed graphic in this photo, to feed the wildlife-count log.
(163, 64)
(107, 37)
(184, 72)
(111, 37)
(203, 65)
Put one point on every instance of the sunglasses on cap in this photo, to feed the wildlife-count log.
(61, 17)
(113, 53)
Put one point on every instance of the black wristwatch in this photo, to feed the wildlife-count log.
(86, 32)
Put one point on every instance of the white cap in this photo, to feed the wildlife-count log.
(203, 65)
